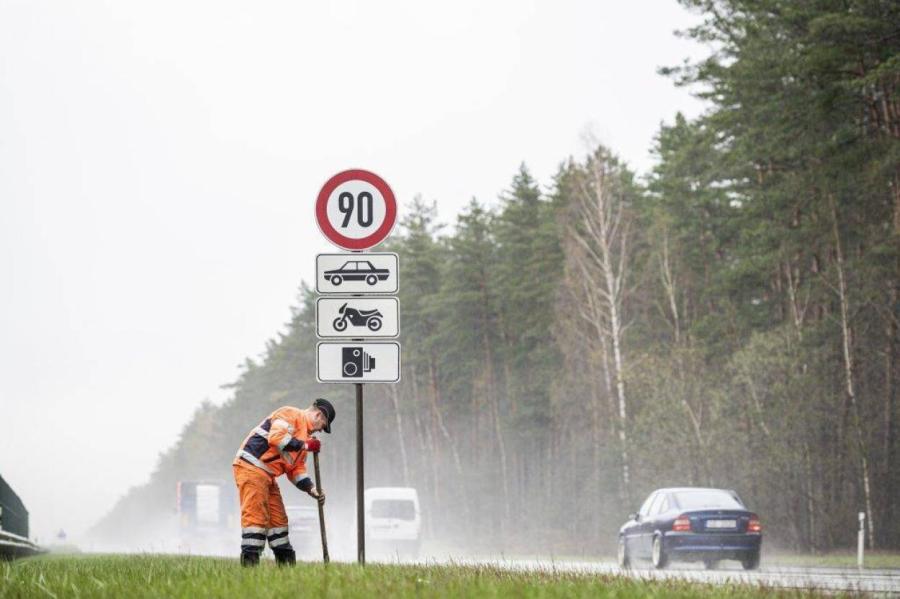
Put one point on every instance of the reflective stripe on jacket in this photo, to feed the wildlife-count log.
(275, 446)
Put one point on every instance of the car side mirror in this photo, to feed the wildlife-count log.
(635, 517)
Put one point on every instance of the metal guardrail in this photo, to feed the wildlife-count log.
(13, 546)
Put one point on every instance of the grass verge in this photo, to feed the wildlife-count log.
(875, 560)
(174, 576)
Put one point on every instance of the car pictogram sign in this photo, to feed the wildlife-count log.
(357, 273)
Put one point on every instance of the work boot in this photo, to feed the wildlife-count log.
(285, 557)
(249, 558)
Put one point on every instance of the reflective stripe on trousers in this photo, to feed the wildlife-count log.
(278, 537)
(253, 538)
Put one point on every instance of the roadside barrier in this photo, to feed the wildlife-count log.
(13, 546)
(14, 525)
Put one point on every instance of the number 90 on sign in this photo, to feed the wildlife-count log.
(363, 204)
(355, 206)
(356, 209)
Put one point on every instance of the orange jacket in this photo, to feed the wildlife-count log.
(277, 446)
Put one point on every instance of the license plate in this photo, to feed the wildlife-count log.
(721, 524)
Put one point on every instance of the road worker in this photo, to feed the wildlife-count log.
(277, 446)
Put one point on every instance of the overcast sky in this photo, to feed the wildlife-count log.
(158, 167)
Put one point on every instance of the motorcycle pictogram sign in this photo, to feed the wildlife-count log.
(357, 317)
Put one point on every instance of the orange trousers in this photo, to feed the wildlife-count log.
(263, 517)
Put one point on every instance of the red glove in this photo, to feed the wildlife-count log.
(313, 444)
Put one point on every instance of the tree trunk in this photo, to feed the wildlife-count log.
(448, 439)
(615, 334)
(810, 505)
(429, 453)
(493, 402)
(890, 391)
(395, 402)
(607, 382)
(847, 345)
(603, 237)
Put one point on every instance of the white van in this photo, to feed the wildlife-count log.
(393, 519)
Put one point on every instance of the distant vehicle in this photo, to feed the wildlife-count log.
(356, 270)
(207, 514)
(393, 519)
(13, 515)
(303, 523)
(358, 318)
(691, 524)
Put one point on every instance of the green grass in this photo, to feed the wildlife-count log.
(173, 576)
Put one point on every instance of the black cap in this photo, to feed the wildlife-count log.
(328, 410)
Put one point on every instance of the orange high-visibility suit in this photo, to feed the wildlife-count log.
(275, 447)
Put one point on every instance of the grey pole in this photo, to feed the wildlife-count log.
(360, 506)
(861, 540)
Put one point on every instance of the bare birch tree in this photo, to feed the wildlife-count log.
(847, 346)
(600, 228)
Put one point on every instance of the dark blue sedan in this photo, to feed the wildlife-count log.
(691, 524)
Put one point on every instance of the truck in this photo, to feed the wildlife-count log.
(393, 520)
(14, 540)
(208, 521)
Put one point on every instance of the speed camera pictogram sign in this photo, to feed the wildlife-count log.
(356, 209)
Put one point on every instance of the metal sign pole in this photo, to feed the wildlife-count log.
(360, 506)
(361, 275)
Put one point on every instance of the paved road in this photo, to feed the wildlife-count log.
(878, 582)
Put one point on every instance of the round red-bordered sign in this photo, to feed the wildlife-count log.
(379, 230)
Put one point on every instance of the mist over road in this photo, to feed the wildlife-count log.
(885, 581)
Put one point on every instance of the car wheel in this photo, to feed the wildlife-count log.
(659, 557)
(374, 324)
(336, 280)
(371, 279)
(711, 564)
(624, 558)
(751, 562)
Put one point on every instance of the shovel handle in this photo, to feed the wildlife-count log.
(325, 557)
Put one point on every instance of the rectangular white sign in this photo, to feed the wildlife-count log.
(362, 362)
(371, 316)
(357, 273)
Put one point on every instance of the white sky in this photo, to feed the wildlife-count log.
(159, 163)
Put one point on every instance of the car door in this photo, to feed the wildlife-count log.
(632, 530)
(648, 524)
(657, 518)
(637, 544)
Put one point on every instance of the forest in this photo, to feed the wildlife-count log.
(728, 319)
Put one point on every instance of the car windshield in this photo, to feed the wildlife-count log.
(348, 266)
(402, 509)
(704, 498)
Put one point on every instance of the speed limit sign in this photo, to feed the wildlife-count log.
(356, 209)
